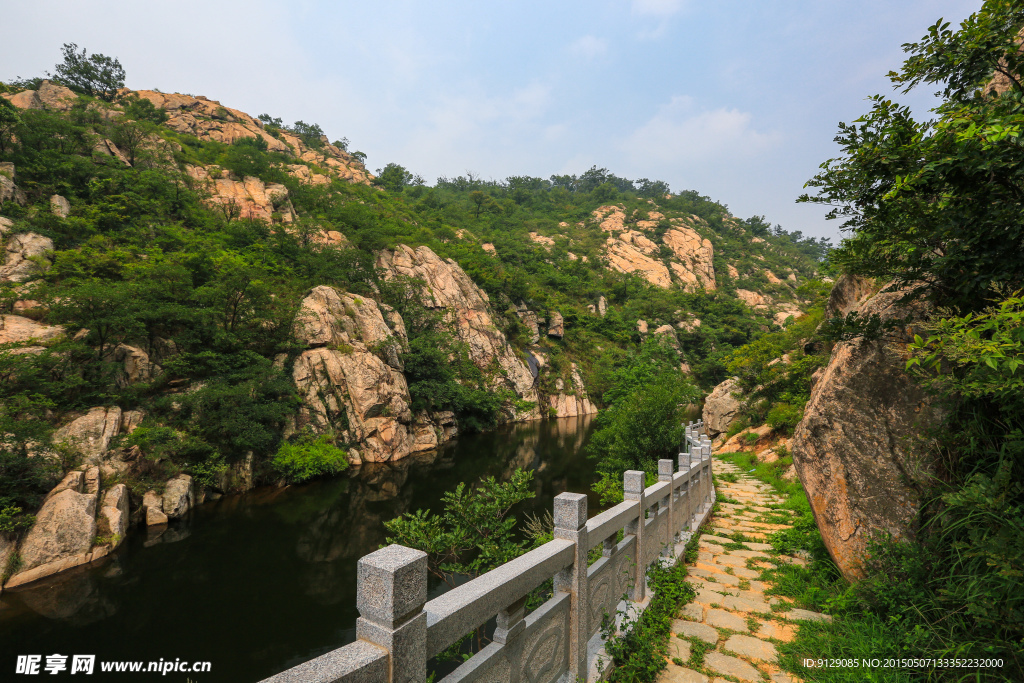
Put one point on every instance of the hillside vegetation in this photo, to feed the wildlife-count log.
(164, 287)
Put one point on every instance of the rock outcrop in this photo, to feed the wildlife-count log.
(248, 198)
(209, 120)
(556, 327)
(60, 206)
(696, 267)
(847, 294)
(447, 288)
(351, 381)
(24, 256)
(628, 250)
(15, 329)
(49, 96)
(572, 400)
(721, 407)
(91, 433)
(856, 449)
(632, 252)
(9, 191)
(135, 363)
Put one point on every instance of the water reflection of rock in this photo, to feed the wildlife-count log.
(71, 596)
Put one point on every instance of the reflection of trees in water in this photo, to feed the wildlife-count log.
(353, 525)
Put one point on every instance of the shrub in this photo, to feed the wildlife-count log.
(784, 417)
(306, 458)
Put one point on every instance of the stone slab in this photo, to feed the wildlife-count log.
(751, 648)
(692, 629)
(805, 615)
(731, 666)
(679, 674)
(719, 618)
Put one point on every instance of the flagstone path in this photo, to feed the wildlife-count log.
(731, 617)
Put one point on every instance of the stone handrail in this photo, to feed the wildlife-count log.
(398, 630)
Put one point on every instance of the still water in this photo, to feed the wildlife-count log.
(259, 582)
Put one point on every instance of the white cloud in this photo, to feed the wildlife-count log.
(588, 47)
(657, 8)
(680, 135)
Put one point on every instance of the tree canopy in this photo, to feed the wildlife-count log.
(96, 74)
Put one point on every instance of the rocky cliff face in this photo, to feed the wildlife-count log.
(857, 448)
(447, 288)
(351, 380)
(632, 246)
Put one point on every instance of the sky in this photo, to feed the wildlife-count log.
(737, 99)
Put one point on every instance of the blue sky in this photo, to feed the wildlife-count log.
(736, 99)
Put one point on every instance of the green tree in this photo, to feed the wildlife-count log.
(473, 535)
(96, 75)
(938, 206)
(394, 178)
(9, 120)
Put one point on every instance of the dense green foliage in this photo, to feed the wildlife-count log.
(96, 75)
(647, 403)
(936, 208)
(307, 457)
(146, 259)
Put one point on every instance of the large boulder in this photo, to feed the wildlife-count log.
(64, 526)
(91, 433)
(722, 406)
(357, 395)
(153, 505)
(178, 496)
(859, 449)
(135, 363)
(60, 206)
(24, 256)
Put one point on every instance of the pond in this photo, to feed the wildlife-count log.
(258, 582)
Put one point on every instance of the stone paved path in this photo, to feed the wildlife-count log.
(731, 617)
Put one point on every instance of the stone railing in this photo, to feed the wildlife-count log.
(399, 630)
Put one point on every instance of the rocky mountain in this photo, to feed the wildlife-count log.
(193, 286)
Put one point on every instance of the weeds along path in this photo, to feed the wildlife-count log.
(731, 629)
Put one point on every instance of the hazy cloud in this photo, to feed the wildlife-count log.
(588, 47)
(657, 8)
(681, 135)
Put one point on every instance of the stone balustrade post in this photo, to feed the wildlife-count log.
(571, 525)
(665, 474)
(391, 592)
(633, 489)
(706, 442)
(684, 491)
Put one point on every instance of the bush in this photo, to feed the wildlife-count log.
(306, 458)
(784, 417)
